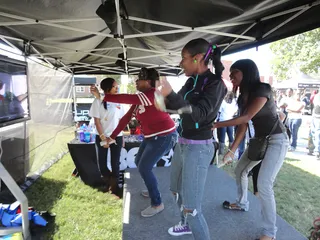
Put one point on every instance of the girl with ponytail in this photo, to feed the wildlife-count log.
(203, 92)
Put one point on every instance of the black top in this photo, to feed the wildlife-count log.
(265, 119)
(205, 94)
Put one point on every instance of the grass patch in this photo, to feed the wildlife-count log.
(82, 212)
(297, 194)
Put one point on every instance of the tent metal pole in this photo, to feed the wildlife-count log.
(286, 21)
(10, 44)
(23, 22)
(172, 74)
(224, 34)
(120, 33)
(251, 26)
(150, 56)
(44, 59)
(157, 22)
(146, 64)
(73, 51)
(54, 25)
(157, 33)
(95, 69)
(152, 51)
(76, 51)
(223, 25)
(235, 43)
(12, 38)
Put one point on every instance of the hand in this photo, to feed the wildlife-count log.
(159, 101)
(228, 158)
(94, 91)
(215, 125)
(165, 88)
(102, 137)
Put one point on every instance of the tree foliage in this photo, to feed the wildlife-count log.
(300, 52)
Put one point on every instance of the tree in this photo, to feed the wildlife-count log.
(300, 52)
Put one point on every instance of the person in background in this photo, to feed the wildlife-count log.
(294, 108)
(256, 103)
(159, 133)
(227, 110)
(315, 126)
(314, 93)
(106, 117)
(204, 92)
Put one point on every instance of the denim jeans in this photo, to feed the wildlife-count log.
(189, 169)
(150, 152)
(222, 134)
(315, 131)
(294, 125)
(270, 166)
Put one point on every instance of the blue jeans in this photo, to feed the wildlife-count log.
(150, 152)
(222, 134)
(315, 131)
(294, 125)
(189, 169)
(270, 166)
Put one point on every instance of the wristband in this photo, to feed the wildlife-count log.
(229, 150)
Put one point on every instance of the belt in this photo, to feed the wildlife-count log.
(189, 141)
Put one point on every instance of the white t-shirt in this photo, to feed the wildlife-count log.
(110, 117)
(227, 110)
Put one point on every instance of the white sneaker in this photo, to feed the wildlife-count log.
(179, 230)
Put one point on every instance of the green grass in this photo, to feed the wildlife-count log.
(297, 193)
(46, 142)
(81, 212)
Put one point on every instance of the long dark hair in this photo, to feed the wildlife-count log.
(210, 51)
(250, 80)
(149, 74)
(106, 85)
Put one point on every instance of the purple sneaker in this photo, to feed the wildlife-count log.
(179, 230)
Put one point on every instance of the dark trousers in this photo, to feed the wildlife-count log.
(115, 150)
(222, 134)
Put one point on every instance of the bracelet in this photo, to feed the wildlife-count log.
(229, 150)
(101, 135)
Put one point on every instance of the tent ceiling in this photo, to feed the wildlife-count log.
(68, 34)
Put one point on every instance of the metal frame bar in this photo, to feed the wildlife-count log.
(286, 21)
(150, 56)
(73, 51)
(19, 196)
(251, 26)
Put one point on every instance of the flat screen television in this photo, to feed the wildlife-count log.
(14, 97)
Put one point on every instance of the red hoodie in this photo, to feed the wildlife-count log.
(153, 122)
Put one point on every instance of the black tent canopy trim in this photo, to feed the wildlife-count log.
(120, 36)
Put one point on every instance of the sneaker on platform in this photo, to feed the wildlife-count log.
(145, 193)
(151, 211)
(179, 230)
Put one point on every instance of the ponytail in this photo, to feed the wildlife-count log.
(214, 54)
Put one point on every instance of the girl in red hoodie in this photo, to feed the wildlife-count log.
(158, 129)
